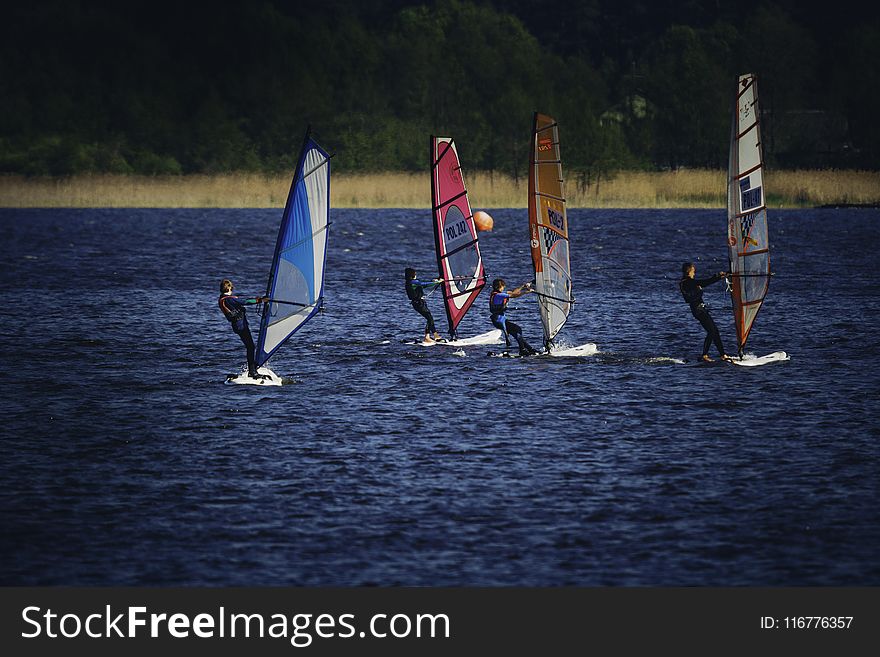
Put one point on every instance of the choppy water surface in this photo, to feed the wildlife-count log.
(127, 461)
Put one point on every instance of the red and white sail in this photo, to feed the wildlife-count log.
(459, 261)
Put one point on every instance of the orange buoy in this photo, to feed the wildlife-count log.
(482, 220)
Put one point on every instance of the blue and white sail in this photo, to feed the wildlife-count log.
(296, 280)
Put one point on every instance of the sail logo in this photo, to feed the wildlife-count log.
(454, 172)
(550, 238)
(545, 144)
(556, 219)
(746, 223)
(459, 249)
(749, 197)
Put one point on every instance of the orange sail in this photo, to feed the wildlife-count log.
(548, 227)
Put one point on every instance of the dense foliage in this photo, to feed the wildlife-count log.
(185, 87)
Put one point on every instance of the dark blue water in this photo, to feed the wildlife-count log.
(126, 461)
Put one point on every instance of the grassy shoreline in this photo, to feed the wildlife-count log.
(692, 188)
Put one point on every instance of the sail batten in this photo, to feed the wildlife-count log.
(457, 247)
(747, 233)
(297, 270)
(548, 226)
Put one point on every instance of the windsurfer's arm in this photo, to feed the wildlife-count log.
(525, 288)
(703, 282)
(429, 286)
(254, 300)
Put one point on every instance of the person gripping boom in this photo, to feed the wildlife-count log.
(497, 307)
(233, 308)
(415, 291)
(692, 290)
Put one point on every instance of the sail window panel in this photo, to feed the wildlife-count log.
(749, 315)
(278, 332)
(462, 263)
(555, 286)
(754, 282)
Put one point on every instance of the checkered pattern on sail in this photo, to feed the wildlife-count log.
(746, 222)
(550, 238)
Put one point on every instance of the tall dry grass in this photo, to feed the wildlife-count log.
(694, 188)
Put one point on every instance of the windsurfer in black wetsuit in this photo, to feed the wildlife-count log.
(692, 291)
(233, 308)
(498, 305)
(415, 291)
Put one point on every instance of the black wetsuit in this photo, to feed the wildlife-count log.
(498, 306)
(415, 291)
(234, 310)
(692, 291)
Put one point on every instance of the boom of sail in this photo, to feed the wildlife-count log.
(548, 227)
(747, 239)
(459, 262)
(296, 280)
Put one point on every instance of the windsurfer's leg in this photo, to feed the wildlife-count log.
(716, 337)
(718, 345)
(422, 309)
(245, 335)
(516, 332)
(707, 342)
(500, 324)
(711, 331)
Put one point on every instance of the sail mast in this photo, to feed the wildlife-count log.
(548, 227)
(747, 236)
(456, 244)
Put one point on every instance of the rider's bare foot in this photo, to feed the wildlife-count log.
(705, 358)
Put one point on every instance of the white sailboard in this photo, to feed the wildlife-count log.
(269, 378)
(588, 349)
(490, 337)
(750, 360)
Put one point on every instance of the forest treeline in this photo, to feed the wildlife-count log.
(185, 87)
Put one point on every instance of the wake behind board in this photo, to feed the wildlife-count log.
(510, 354)
(271, 379)
(750, 360)
(587, 349)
